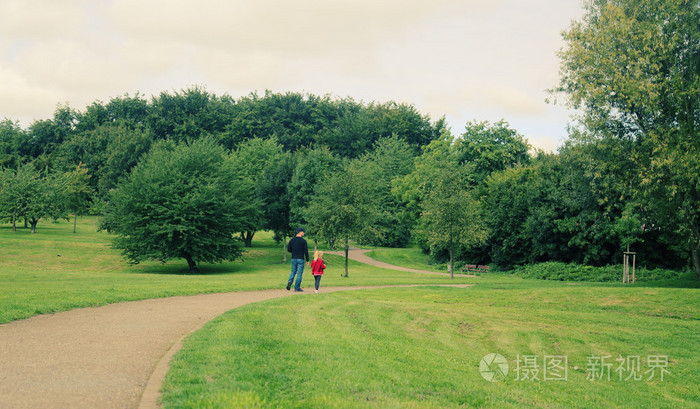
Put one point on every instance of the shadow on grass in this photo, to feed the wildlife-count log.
(180, 269)
(686, 280)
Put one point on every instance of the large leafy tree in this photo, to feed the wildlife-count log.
(76, 191)
(252, 159)
(344, 206)
(312, 166)
(181, 201)
(489, 148)
(450, 214)
(27, 194)
(273, 190)
(189, 114)
(632, 67)
(11, 134)
(391, 159)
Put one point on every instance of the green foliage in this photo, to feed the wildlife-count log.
(559, 271)
(633, 67)
(343, 206)
(190, 114)
(273, 189)
(251, 159)
(29, 195)
(490, 148)
(389, 161)
(312, 166)
(11, 135)
(76, 191)
(450, 215)
(181, 202)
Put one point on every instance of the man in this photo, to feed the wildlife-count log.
(300, 251)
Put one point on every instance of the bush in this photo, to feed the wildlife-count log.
(558, 271)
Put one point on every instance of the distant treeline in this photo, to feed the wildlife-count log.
(296, 150)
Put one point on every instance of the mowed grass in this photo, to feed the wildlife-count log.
(421, 348)
(55, 270)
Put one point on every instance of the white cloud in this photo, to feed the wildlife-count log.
(466, 59)
(22, 100)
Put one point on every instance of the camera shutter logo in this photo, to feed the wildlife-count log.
(494, 367)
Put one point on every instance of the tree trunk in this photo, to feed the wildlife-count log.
(33, 223)
(247, 238)
(451, 263)
(75, 222)
(14, 223)
(284, 248)
(695, 253)
(347, 249)
(190, 263)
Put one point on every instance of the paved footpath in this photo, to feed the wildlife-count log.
(361, 256)
(113, 356)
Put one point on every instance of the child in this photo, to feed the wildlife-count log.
(317, 267)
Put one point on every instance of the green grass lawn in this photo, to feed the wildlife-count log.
(56, 270)
(388, 348)
(411, 257)
(421, 348)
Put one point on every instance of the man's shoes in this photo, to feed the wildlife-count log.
(289, 285)
(298, 290)
(316, 291)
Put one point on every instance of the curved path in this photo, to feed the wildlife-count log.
(361, 256)
(114, 356)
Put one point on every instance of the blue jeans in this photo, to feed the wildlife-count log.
(298, 270)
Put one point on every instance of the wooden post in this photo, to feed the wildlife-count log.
(626, 266)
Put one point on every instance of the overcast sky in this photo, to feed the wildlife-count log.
(467, 60)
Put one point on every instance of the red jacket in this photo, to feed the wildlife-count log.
(317, 267)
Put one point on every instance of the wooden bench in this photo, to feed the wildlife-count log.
(475, 268)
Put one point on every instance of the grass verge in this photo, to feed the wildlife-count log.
(55, 270)
(421, 348)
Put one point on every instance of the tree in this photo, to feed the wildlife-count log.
(312, 166)
(76, 190)
(633, 69)
(10, 135)
(29, 195)
(273, 190)
(252, 158)
(413, 188)
(180, 201)
(450, 216)
(391, 159)
(489, 148)
(189, 114)
(343, 207)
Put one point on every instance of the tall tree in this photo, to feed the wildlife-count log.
(273, 190)
(11, 134)
(489, 148)
(181, 201)
(28, 194)
(633, 68)
(252, 159)
(450, 215)
(76, 190)
(189, 114)
(392, 159)
(312, 166)
(343, 207)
